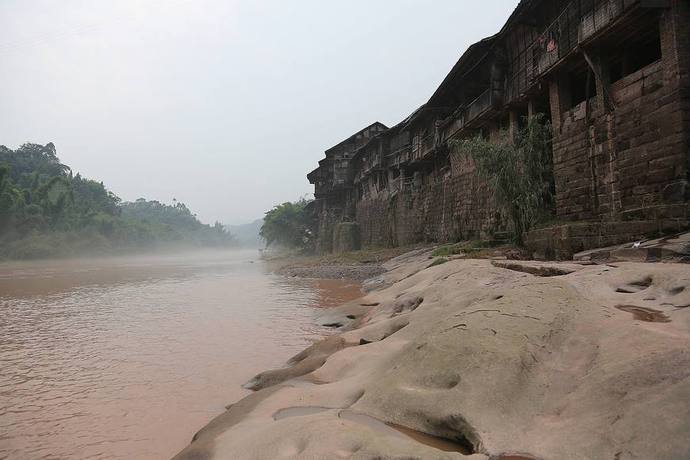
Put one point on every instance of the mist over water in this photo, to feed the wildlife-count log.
(128, 357)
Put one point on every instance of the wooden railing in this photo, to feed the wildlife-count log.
(479, 106)
(421, 147)
(402, 155)
(371, 161)
(454, 125)
(460, 119)
(600, 15)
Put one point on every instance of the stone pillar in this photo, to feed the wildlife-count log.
(602, 80)
(675, 60)
(557, 101)
(675, 43)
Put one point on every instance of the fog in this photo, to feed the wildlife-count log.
(224, 105)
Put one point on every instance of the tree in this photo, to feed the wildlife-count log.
(10, 197)
(31, 160)
(290, 225)
(45, 211)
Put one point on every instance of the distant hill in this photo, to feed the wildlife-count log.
(247, 235)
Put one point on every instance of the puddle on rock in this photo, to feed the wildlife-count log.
(635, 286)
(645, 314)
(400, 431)
(514, 457)
(299, 411)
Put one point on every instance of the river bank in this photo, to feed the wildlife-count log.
(356, 265)
(481, 359)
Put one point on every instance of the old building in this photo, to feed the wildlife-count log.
(611, 75)
(333, 185)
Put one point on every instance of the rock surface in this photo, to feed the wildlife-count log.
(468, 360)
(673, 248)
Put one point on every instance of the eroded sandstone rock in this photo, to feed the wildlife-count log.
(499, 362)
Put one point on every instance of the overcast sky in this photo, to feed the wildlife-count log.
(224, 105)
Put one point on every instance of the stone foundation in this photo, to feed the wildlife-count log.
(561, 242)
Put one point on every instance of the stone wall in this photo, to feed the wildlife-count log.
(561, 242)
(680, 18)
(454, 207)
(327, 218)
(626, 156)
(346, 237)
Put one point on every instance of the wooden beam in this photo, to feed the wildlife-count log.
(604, 84)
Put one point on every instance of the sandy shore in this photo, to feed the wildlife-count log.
(481, 360)
(355, 272)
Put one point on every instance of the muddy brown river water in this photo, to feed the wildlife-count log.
(128, 357)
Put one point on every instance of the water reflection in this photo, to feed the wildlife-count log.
(127, 358)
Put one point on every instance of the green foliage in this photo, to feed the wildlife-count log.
(177, 215)
(173, 223)
(289, 225)
(462, 248)
(448, 250)
(32, 162)
(45, 211)
(91, 195)
(438, 261)
(520, 170)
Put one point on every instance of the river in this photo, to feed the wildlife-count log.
(129, 357)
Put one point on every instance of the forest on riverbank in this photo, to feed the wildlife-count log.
(48, 211)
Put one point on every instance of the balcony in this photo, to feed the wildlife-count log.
(400, 156)
(422, 146)
(398, 151)
(478, 107)
(453, 125)
(579, 22)
(484, 104)
(601, 15)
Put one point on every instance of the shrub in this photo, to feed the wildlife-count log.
(520, 171)
(438, 261)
